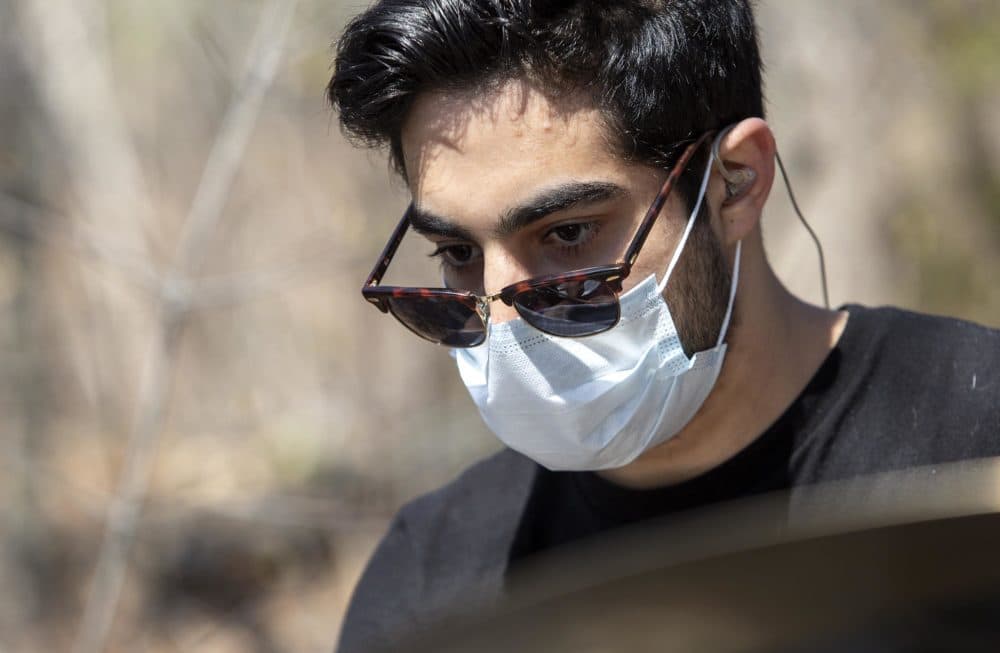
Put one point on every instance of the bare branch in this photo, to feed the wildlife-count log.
(237, 127)
(318, 513)
(213, 190)
(231, 289)
(44, 225)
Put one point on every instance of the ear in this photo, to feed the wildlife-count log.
(747, 151)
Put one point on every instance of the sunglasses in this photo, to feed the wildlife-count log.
(571, 305)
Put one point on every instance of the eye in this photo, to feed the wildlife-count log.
(457, 255)
(571, 234)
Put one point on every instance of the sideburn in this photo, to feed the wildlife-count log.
(699, 290)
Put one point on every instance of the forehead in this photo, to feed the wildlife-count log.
(472, 154)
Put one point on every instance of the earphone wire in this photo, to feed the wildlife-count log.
(812, 234)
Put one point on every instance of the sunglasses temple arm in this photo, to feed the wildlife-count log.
(647, 223)
(661, 199)
(390, 250)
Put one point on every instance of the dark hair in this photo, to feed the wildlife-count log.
(661, 71)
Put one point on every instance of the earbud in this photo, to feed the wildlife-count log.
(738, 180)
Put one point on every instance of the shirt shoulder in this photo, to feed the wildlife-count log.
(910, 390)
(444, 549)
(920, 325)
(939, 351)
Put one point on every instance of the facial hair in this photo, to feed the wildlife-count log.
(698, 292)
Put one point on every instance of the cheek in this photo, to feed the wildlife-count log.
(655, 263)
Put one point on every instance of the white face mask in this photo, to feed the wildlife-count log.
(600, 401)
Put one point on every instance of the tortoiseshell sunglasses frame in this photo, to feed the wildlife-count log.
(613, 274)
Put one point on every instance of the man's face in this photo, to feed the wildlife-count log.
(511, 185)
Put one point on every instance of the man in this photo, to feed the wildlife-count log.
(626, 140)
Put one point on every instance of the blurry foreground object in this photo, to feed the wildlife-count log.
(905, 561)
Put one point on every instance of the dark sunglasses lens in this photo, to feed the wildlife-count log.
(570, 309)
(444, 320)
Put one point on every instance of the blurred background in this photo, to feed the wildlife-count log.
(205, 430)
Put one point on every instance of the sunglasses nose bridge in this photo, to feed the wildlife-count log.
(502, 314)
(483, 308)
(489, 299)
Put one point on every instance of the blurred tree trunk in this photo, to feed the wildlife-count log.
(28, 151)
(105, 194)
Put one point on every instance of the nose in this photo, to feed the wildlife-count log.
(500, 269)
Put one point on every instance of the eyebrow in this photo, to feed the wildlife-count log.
(426, 223)
(545, 203)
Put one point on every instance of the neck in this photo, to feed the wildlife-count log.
(775, 345)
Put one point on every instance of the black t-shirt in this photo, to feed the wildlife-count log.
(899, 390)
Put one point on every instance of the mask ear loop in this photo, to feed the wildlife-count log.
(687, 228)
(713, 156)
(732, 295)
(735, 178)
